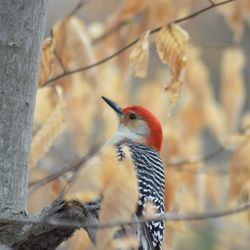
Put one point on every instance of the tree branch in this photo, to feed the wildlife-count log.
(167, 217)
(94, 150)
(75, 167)
(180, 165)
(43, 236)
(109, 32)
(84, 68)
(80, 4)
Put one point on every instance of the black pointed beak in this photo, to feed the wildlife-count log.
(113, 105)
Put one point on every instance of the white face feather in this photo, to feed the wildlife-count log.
(136, 132)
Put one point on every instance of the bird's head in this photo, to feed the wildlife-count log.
(137, 124)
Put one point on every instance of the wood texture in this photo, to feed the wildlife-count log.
(21, 34)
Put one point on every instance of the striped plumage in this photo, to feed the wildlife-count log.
(151, 182)
(141, 131)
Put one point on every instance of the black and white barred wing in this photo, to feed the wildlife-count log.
(151, 179)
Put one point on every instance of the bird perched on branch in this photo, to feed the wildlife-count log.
(141, 131)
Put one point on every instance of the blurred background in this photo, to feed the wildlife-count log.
(206, 121)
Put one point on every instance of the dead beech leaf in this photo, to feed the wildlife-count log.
(162, 11)
(79, 241)
(173, 88)
(245, 124)
(84, 197)
(95, 176)
(43, 139)
(240, 171)
(233, 89)
(56, 187)
(46, 99)
(131, 8)
(74, 50)
(46, 67)
(73, 47)
(197, 77)
(171, 44)
(119, 201)
(128, 242)
(171, 189)
(139, 55)
(215, 120)
(233, 14)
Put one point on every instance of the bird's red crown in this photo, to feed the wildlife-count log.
(155, 136)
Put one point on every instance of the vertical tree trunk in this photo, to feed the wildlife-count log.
(22, 26)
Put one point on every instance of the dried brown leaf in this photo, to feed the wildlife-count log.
(131, 8)
(47, 66)
(171, 188)
(245, 125)
(128, 242)
(240, 171)
(80, 111)
(233, 89)
(173, 89)
(215, 119)
(209, 111)
(197, 77)
(139, 56)
(153, 88)
(56, 187)
(161, 12)
(192, 116)
(73, 47)
(79, 241)
(46, 99)
(171, 45)
(233, 14)
(43, 139)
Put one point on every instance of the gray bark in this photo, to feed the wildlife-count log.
(22, 26)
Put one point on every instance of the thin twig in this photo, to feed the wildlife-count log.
(109, 32)
(198, 160)
(178, 165)
(91, 65)
(206, 172)
(79, 164)
(133, 43)
(74, 167)
(212, 3)
(59, 61)
(167, 217)
(78, 6)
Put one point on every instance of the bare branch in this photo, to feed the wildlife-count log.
(181, 165)
(167, 217)
(198, 160)
(109, 32)
(84, 68)
(78, 6)
(59, 61)
(212, 3)
(75, 167)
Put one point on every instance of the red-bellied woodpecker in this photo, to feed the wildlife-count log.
(141, 131)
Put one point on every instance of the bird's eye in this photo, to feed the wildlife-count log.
(132, 116)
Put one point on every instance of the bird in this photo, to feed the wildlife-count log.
(141, 132)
